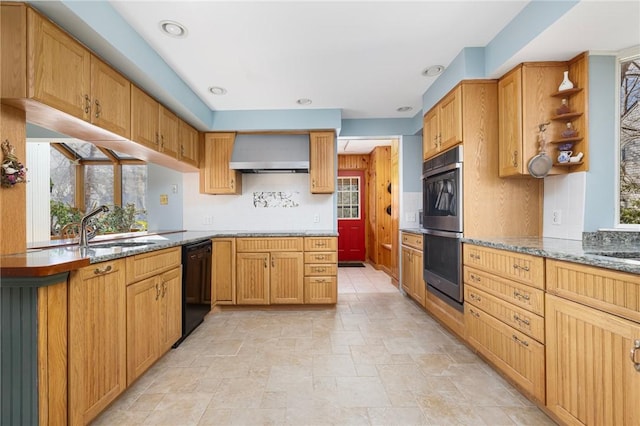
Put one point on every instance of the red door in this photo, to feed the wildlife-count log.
(351, 245)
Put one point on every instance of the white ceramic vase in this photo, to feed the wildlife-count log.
(566, 83)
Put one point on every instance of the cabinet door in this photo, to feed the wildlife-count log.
(407, 271)
(418, 288)
(430, 133)
(110, 98)
(223, 274)
(215, 175)
(143, 321)
(144, 119)
(510, 124)
(60, 68)
(322, 162)
(170, 309)
(591, 379)
(252, 278)
(169, 129)
(189, 147)
(287, 277)
(97, 339)
(450, 120)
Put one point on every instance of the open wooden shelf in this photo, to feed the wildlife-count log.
(566, 140)
(567, 93)
(567, 164)
(566, 117)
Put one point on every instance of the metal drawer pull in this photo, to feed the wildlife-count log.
(636, 346)
(321, 258)
(474, 256)
(99, 271)
(87, 104)
(98, 108)
(524, 321)
(320, 244)
(475, 297)
(524, 268)
(519, 295)
(474, 278)
(474, 313)
(522, 342)
(320, 269)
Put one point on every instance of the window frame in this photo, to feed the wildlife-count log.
(350, 192)
(622, 55)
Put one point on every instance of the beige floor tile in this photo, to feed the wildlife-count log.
(376, 358)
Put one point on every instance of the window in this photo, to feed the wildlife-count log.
(348, 198)
(629, 155)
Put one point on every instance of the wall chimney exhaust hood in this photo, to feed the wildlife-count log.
(254, 153)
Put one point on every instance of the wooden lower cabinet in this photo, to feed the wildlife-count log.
(320, 270)
(154, 321)
(223, 271)
(97, 339)
(591, 379)
(287, 278)
(252, 278)
(412, 281)
(517, 355)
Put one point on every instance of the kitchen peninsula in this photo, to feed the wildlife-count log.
(51, 294)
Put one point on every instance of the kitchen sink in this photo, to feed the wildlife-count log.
(123, 244)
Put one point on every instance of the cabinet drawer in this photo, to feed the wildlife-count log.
(102, 268)
(320, 243)
(320, 290)
(412, 240)
(520, 295)
(257, 245)
(518, 318)
(145, 265)
(515, 354)
(519, 267)
(611, 291)
(321, 257)
(320, 269)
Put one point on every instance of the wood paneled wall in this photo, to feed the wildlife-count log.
(379, 176)
(13, 201)
(353, 162)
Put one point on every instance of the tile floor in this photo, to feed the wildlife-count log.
(375, 359)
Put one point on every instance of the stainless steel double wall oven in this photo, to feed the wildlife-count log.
(443, 225)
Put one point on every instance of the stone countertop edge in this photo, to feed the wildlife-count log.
(412, 230)
(46, 261)
(561, 249)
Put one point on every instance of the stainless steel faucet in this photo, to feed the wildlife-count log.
(83, 224)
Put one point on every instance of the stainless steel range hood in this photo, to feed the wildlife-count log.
(270, 153)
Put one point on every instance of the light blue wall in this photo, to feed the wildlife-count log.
(379, 127)
(600, 195)
(290, 119)
(411, 163)
(159, 182)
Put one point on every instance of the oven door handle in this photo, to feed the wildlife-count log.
(441, 170)
(446, 234)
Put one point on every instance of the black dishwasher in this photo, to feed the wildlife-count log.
(196, 285)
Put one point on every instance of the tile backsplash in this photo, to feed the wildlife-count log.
(564, 198)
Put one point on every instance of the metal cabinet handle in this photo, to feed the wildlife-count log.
(98, 108)
(87, 104)
(519, 295)
(273, 262)
(162, 141)
(313, 183)
(232, 183)
(515, 159)
(265, 263)
(104, 270)
(524, 268)
(164, 289)
(475, 278)
(474, 256)
(320, 269)
(157, 291)
(157, 139)
(522, 342)
(524, 321)
(474, 313)
(475, 297)
(182, 150)
(636, 347)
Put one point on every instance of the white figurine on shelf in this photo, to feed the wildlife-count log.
(566, 83)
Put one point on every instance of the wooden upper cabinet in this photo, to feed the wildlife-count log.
(189, 147)
(144, 119)
(443, 124)
(510, 123)
(169, 132)
(59, 68)
(215, 175)
(322, 162)
(524, 104)
(110, 99)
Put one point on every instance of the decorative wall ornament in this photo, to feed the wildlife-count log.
(276, 199)
(12, 170)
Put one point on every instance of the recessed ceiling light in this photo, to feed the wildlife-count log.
(433, 70)
(173, 29)
(217, 90)
(404, 108)
(304, 101)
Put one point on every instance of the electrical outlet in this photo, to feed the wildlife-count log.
(411, 217)
(316, 218)
(556, 217)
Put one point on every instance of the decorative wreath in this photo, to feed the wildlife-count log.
(12, 170)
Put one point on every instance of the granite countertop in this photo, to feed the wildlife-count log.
(623, 255)
(412, 230)
(59, 256)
